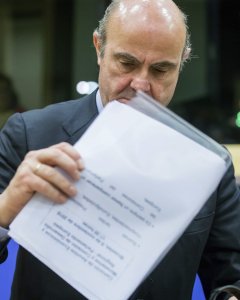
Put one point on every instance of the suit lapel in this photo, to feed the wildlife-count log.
(81, 119)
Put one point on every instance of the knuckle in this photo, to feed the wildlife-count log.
(30, 154)
(71, 165)
(24, 177)
(62, 145)
(49, 172)
(43, 186)
(24, 169)
(56, 152)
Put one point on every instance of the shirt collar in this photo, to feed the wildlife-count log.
(99, 102)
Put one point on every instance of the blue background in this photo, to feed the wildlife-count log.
(7, 269)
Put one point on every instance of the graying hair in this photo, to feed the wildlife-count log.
(101, 30)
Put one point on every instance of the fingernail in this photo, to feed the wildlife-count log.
(76, 175)
(62, 198)
(80, 164)
(72, 190)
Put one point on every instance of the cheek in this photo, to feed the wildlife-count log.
(118, 82)
(164, 91)
(117, 78)
(122, 82)
(113, 84)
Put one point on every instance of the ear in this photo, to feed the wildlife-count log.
(187, 53)
(97, 45)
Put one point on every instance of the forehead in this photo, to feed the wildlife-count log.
(144, 27)
(145, 10)
(148, 12)
(144, 41)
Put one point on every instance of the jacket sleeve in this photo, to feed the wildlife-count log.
(13, 147)
(220, 264)
(3, 250)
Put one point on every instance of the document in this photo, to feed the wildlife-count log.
(142, 185)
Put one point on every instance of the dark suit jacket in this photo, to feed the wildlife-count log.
(210, 245)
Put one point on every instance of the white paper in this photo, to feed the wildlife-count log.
(143, 184)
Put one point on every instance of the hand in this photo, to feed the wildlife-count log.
(233, 298)
(36, 173)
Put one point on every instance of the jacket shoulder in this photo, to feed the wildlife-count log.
(53, 113)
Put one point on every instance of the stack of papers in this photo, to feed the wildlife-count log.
(143, 184)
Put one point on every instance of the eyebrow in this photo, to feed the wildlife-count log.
(163, 64)
(127, 56)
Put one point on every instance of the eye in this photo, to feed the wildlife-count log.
(159, 72)
(126, 65)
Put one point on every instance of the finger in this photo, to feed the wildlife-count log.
(48, 190)
(72, 152)
(54, 156)
(55, 179)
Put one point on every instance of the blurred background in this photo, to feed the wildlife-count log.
(46, 50)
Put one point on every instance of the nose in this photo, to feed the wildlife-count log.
(140, 84)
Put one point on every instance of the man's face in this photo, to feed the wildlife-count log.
(140, 54)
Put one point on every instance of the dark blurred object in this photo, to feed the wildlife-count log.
(8, 99)
(225, 292)
(211, 118)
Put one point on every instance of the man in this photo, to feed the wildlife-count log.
(140, 45)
